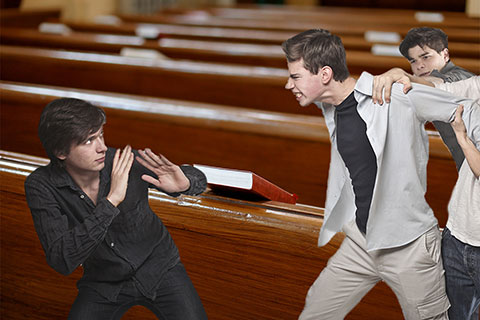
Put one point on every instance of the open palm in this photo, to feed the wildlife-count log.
(169, 176)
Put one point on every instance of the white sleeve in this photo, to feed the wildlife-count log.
(432, 104)
(469, 88)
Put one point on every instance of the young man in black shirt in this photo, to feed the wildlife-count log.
(90, 208)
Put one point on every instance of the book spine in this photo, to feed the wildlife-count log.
(272, 191)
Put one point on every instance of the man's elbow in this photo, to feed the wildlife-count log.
(61, 266)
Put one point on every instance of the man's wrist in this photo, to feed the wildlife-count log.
(113, 202)
(462, 139)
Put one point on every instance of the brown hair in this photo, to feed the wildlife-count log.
(318, 48)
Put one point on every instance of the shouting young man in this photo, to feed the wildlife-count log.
(376, 183)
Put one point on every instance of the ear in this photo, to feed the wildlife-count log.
(445, 54)
(61, 156)
(326, 74)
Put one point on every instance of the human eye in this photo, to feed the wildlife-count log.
(89, 140)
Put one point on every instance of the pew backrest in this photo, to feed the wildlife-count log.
(292, 151)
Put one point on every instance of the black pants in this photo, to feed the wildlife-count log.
(176, 299)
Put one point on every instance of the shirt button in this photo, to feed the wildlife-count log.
(82, 196)
(111, 244)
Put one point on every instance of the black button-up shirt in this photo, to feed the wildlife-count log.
(114, 244)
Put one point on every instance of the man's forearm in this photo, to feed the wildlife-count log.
(428, 81)
(472, 154)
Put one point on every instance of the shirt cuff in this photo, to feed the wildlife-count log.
(198, 181)
(106, 212)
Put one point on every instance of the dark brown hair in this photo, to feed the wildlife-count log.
(318, 48)
(423, 37)
(65, 122)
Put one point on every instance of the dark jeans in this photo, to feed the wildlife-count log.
(462, 274)
(176, 299)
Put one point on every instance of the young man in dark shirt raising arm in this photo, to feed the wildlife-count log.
(90, 208)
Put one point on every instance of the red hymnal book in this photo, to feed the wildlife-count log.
(240, 182)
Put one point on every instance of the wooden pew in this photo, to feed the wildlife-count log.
(370, 16)
(14, 17)
(356, 42)
(346, 27)
(252, 87)
(201, 50)
(292, 151)
(461, 48)
(246, 260)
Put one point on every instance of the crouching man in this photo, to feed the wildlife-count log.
(90, 208)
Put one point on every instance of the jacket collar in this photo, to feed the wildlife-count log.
(364, 84)
(448, 67)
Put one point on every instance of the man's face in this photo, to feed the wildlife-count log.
(424, 60)
(88, 156)
(306, 87)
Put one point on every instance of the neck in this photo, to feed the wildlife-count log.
(339, 91)
(85, 180)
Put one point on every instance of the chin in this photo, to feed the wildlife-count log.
(100, 166)
(304, 104)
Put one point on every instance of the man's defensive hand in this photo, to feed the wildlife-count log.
(122, 163)
(170, 177)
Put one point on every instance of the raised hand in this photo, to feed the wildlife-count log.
(170, 177)
(457, 124)
(385, 81)
(472, 154)
(122, 163)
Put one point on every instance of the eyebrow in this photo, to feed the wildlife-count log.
(94, 135)
(420, 56)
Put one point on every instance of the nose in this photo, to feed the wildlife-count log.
(289, 84)
(101, 147)
(420, 65)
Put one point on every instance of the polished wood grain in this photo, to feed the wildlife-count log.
(247, 260)
(292, 151)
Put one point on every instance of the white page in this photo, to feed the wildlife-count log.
(227, 177)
